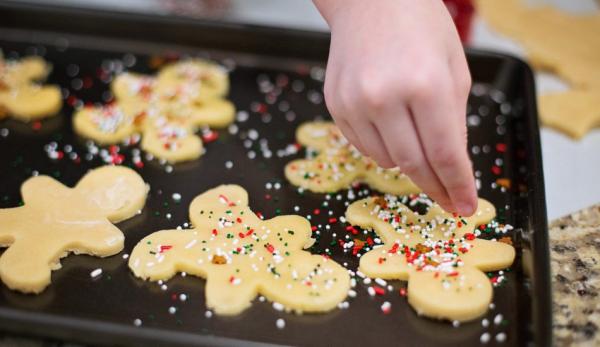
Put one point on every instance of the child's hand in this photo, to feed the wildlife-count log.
(397, 85)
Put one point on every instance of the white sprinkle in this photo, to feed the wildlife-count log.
(485, 338)
(172, 310)
(137, 322)
(455, 323)
(381, 282)
(485, 323)
(386, 307)
(228, 164)
(277, 306)
(182, 297)
(367, 281)
(191, 244)
(501, 337)
(176, 196)
(371, 291)
(96, 273)
(352, 293)
(280, 323)
(125, 256)
(164, 287)
(498, 319)
(208, 314)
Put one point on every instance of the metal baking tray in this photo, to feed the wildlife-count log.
(503, 140)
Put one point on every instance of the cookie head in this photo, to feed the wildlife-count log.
(118, 192)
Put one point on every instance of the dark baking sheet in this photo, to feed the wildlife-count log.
(102, 310)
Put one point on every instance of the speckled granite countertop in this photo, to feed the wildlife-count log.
(575, 253)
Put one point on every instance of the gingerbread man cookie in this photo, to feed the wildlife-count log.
(338, 164)
(438, 253)
(213, 78)
(171, 139)
(20, 96)
(176, 98)
(184, 101)
(242, 256)
(56, 220)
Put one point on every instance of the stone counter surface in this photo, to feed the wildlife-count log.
(575, 257)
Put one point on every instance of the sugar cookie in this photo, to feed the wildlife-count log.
(144, 103)
(338, 164)
(242, 256)
(437, 253)
(212, 77)
(56, 220)
(20, 97)
(108, 124)
(171, 140)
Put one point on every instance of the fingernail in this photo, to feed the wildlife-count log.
(465, 208)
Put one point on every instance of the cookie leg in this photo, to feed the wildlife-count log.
(227, 293)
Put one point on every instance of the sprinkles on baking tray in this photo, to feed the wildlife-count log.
(263, 146)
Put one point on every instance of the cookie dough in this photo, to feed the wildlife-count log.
(574, 112)
(175, 98)
(212, 78)
(179, 101)
(438, 253)
(171, 140)
(108, 124)
(20, 96)
(559, 42)
(338, 164)
(56, 220)
(242, 256)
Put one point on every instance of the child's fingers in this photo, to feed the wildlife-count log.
(349, 134)
(443, 134)
(371, 139)
(402, 143)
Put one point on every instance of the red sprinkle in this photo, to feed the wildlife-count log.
(165, 248)
(402, 291)
(470, 236)
(210, 136)
(270, 248)
(379, 290)
(501, 147)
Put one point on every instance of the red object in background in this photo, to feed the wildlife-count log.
(462, 14)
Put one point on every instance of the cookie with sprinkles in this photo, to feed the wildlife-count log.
(242, 256)
(56, 220)
(438, 253)
(212, 78)
(20, 96)
(337, 164)
(108, 124)
(172, 140)
(176, 98)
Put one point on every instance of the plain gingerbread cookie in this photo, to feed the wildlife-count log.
(338, 164)
(242, 256)
(56, 220)
(437, 253)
